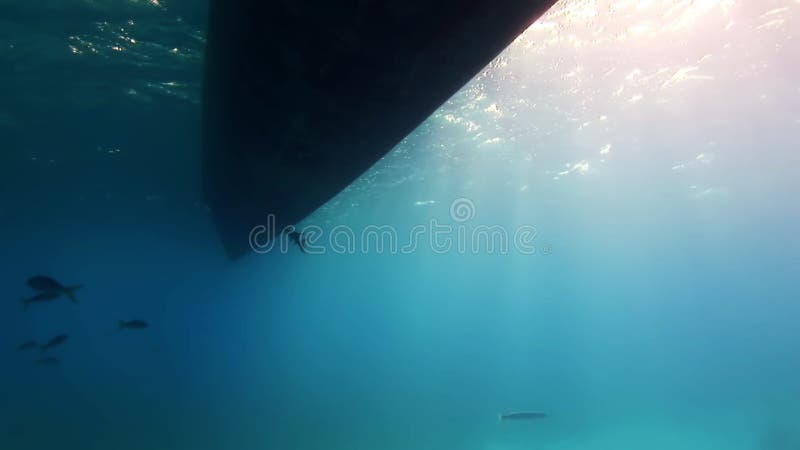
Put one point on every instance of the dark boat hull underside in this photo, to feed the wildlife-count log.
(301, 97)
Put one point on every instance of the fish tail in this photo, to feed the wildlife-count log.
(120, 324)
(69, 291)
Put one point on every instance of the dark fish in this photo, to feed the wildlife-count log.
(298, 239)
(56, 341)
(49, 361)
(132, 324)
(46, 284)
(40, 298)
(523, 416)
(28, 346)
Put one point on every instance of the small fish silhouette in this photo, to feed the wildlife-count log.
(56, 341)
(132, 324)
(43, 283)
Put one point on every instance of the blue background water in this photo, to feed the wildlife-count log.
(652, 147)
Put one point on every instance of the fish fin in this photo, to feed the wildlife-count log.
(120, 324)
(24, 304)
(69, 291)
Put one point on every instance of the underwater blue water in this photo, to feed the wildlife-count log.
(652, 147)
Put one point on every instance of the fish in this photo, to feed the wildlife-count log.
(49, 361)
(28, 346)
(43, 283)
(40, 298)
(526, 415)
(298, 239)
(56, 341)
(132, 324)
